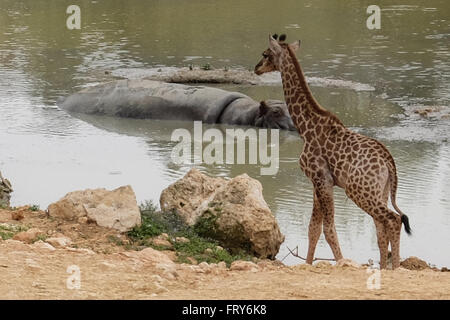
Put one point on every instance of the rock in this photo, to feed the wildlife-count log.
(233, 212)
(43, 245)
(149, 255)
(28, 236)
(192, 260)
(171, 254)
(17, 215)
(208, 251)
(243, 266)
(5, 191)
(80, 250)
(188, 193)
(268, 264)
(414, 263)
(15, 245)
(169, 270)
(348, 263)
(434, 112)
(164, 236)
(182, 240)
(161, 242)
(82, 220)
(32, 265)
(60, 242)
(115, 209)
(205, 267)
(323, 265)
(105, 265)
(85, 250)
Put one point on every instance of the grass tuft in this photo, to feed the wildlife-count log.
(7, 231)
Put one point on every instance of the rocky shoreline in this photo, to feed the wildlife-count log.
(162, 257)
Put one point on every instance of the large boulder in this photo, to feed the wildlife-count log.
(115, 209)
(233, 212)
(5, 191)
(188, 194)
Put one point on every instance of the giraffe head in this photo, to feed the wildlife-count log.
(273, 55)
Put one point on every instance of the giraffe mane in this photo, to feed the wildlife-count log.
(306, 89)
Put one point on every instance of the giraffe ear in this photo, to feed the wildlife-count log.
(263, 108)
(295, 45)
(273, 45)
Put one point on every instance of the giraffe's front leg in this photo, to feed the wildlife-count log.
(314, 231)
(325, 198)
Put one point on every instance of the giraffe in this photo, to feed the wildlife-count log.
(333, 155)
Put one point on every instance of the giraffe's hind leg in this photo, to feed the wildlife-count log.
(383, 243)
(382, 235)
(314, 230)
(388, 225)
(393, 225)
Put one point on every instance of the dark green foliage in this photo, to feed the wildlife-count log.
(206, 224)
(206, 66)
(34, 207)
(156, 222)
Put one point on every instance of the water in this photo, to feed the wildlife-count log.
(47, 153)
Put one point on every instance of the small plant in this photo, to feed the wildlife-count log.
(206, 224)
(147, 229)
(34, 207)
(191, 67)
(148, 205)
(226, 68)
(41, 237)
(206, 66)
(116, 240)
(205, 250)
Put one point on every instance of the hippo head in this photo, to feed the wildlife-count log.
(274, 114)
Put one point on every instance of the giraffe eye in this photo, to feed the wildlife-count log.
(265, 55)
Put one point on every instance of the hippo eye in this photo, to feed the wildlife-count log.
(277, 112)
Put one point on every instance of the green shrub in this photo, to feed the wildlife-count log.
(34, 207)
(156, 222)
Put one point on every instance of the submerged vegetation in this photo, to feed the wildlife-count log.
(195, 245)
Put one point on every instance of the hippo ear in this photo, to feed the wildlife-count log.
(263, 108)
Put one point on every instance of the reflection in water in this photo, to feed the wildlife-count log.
(46, 152)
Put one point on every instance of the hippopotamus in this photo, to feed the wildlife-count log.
(148, 99)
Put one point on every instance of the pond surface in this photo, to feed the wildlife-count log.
(46, 153)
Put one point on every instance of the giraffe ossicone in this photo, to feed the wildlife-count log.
(333, 155)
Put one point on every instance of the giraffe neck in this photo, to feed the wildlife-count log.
(305, 111)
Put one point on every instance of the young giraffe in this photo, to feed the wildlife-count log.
(334, 155)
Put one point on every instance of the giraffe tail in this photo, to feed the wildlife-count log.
(393, 183)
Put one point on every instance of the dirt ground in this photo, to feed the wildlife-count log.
(106, 271)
